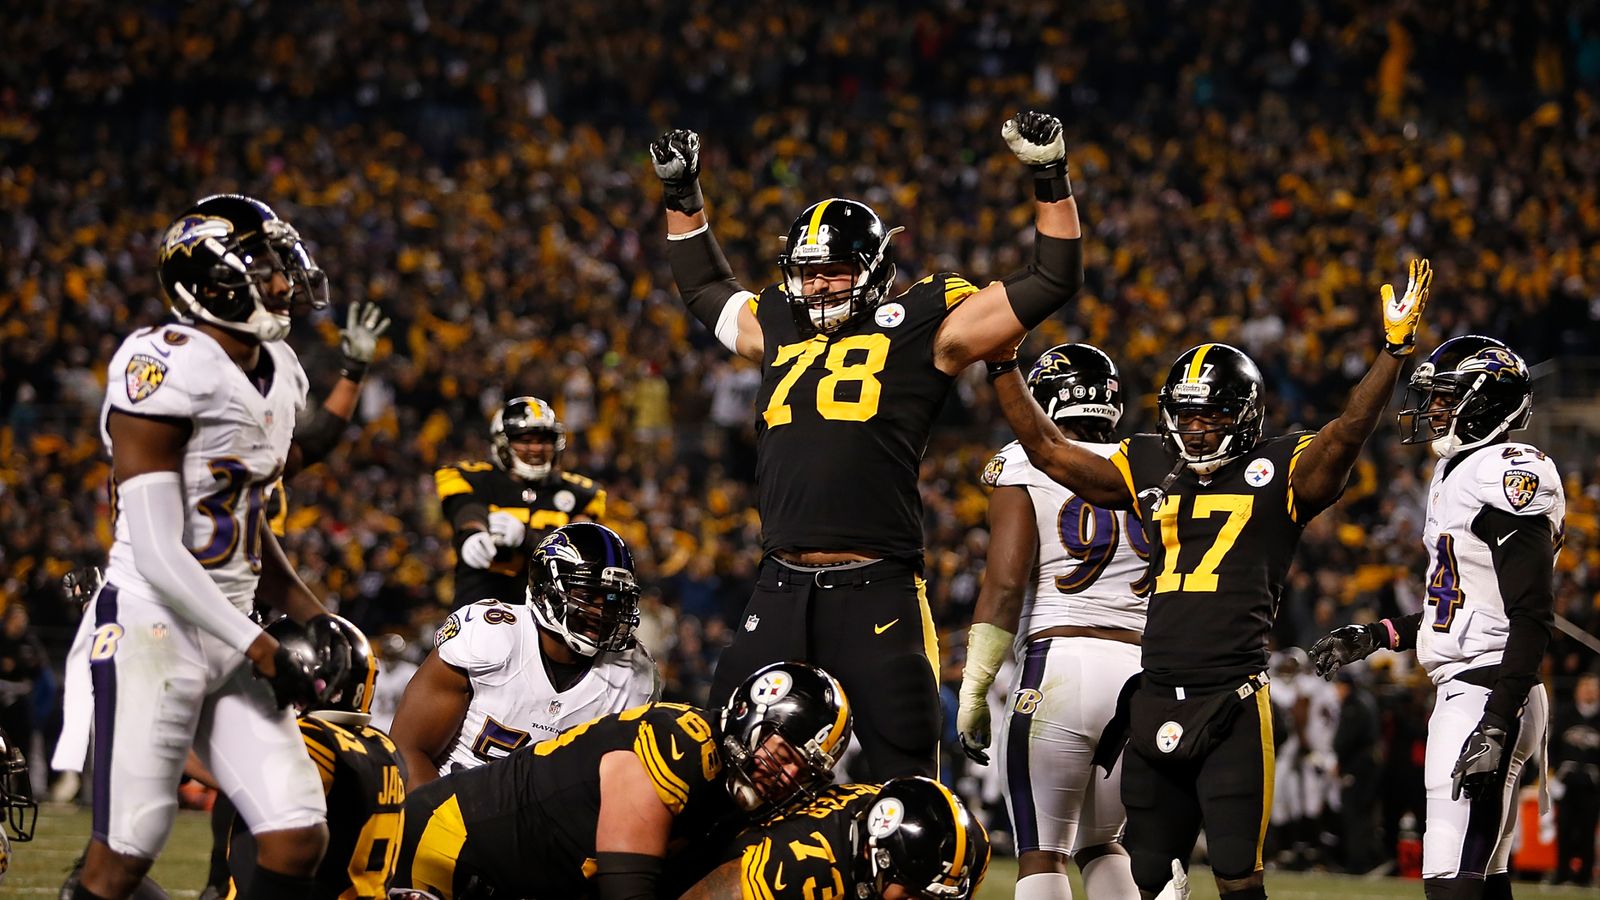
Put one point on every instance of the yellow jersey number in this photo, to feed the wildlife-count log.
(842, 369)
(1204, 578)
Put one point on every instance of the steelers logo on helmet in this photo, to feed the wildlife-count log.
(771, 687)
(885, 817)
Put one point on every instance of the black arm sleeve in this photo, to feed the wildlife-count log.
(1524, 564)
(1405, 629)
(626, 876)
(461, 509)
(1055, 274)
(703, 275)
(318, 435)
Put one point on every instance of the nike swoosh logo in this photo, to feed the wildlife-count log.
(675, 754)
(466, 614)
(777, 882)
(1449, 697)
(880, 629)
(165, 353)
(1503, 539)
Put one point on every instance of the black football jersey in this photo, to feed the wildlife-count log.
(364, 780)
(1219, 553)
(530, 819)
(543, 506)
(807, 853)
(842, 421)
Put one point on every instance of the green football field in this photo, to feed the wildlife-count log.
(38, 868)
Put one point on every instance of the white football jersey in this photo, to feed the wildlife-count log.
(1091, 561)
(236, 451)
(513, 701)
(1464, 622)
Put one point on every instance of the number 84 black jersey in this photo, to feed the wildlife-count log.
(843, 420)
(1219, 552)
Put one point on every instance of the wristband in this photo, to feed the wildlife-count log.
(1050, 182)
(1394, 636)
(683, 196)
(996, 369)
(353, 370)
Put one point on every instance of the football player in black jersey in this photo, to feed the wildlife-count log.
(910, 838)
(853, 373)
(362, 776)
(1222, 509)
(502, 508)
(596, 811)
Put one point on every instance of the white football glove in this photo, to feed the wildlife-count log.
(478, 550)
(507, 530)
(364, 323)
(1035, 138)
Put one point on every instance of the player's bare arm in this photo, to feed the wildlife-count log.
(722, 884)
(704, 278)
(631, 833)
(1094, 478)
(429, 716)
(1013, 543)
(1326, 462)
(995, 318)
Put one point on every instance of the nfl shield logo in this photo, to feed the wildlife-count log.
(751, 622)
(554, 708)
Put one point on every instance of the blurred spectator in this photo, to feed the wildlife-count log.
(1356, 745)
(1576, 757)
(22, 663)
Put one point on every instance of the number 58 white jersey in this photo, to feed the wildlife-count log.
(1464, 623)
(237, 447)
(1091, 565)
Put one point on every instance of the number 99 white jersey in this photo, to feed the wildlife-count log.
(1464, 623)
(237, 449)
(1091, 566)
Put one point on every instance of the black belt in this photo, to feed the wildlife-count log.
(1251, 684)
(1482, 676)
(775, 573)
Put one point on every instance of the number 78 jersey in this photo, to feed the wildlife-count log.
(239, 439)
(1464, 622)
(843, 419)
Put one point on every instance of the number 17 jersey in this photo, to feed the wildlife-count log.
(1219, 553)
(843, 420)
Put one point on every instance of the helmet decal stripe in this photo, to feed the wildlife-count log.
(816, 221)
(953, 877)
(1197, 365)
(834, 733)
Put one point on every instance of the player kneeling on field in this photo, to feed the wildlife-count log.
(595, 811)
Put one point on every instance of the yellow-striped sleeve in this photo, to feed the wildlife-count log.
(752, 866)
(320, 752)
(597, 505)
(754, 303)
(956, 289)
(1294, 460)
(1120, 460)
(449, 481)
(672, 790)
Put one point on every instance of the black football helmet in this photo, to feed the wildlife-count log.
(520, 417)
(349, 696)
(1467, 393)
(328, 673)
(919, 835)
(1220, 380)
(581, 588)
(837, 231)
(807, 708)
(16, 792)
(216, 261)
(1078, 385)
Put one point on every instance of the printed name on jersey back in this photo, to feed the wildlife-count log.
(1519, 479)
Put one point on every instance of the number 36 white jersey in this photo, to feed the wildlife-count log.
(1091, 565)
(513, 701)
(1464, 623)
(237, 448)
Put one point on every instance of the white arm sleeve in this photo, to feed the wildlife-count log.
(153, 503)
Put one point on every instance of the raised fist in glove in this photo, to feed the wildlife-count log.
(1402, 317)
(1477, 769)
(1345, 645)
(676, 157)
(478, 550)
(506, 529)
(1035, 138)
(364, 323)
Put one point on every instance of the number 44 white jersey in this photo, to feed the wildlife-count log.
(1091, 565)
(1464, 622)
(237, 447)
(513, 701)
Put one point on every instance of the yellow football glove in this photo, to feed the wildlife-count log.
(1402, 317)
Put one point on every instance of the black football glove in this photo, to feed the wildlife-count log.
(1477, 769)
(1036, 139)
(1345, 645)
(676, 156)
(332, 645)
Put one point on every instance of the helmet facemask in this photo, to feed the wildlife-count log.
(1452, 411)
(590, 611)
(1237, 436)
(239, 294)
(521, 418)
(16, 792)
(836, 233)
(759, 777)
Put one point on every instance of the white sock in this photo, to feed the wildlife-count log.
(1047, 886)
(1110, 877)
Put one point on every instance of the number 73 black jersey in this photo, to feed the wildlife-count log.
(843, 419)
(1219, 552)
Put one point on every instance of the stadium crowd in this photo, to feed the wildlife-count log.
(479, 170)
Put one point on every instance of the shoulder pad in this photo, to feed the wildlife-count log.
(1519, 479)
(1008, 467)
(164, 371)
(480, 637)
